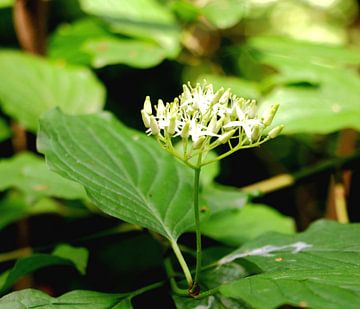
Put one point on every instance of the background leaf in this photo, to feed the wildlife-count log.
(29, 174)
(216, 10)
(122, 170)
(31, 298)
(312, 269)
(235, 227)
(40, 85)
(5, 131)
(330, 99)
(78, 255)
(34, 262)
(145, 19)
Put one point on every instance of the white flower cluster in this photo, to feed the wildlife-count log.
(209, 119)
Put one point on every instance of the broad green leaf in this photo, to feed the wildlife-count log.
(135, 53)
(5, 131)
(29, 174)
(88, 42)
(224, 13)
(67, 42)
(31, 86)
(122, 170)
(318, 110)
(145, 19)
(30, 298)
(319, 268)
(30, 264)
(321, 289)
(331, 104)
(78, 255)
(235, 227)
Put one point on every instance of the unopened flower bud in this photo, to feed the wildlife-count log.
(145, 118)
(256, 132)
(224, 138)
(147, 105)
(275, 131)
(160, 108)
(186, 130)
(172, 125)
(198, 143)
(269, 115)
(217, 96)
(154, 126)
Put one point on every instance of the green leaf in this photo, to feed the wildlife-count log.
(235, 227)
(218, 198)
(122, 170)
(30, 264)
(88, 42)
(145, 19)
(241, 87)
(31, 298)
(29, 174)
(330, 104)
(319, 268)
(325, 54)
(5, 131)
(67, 42)
(224, 13)
(135, 53)
(6, 3)
(31, 86)
(78, 255)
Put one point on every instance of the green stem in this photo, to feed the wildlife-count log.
(146, 288)
(182, 262)
(170, 272)
(197, 224)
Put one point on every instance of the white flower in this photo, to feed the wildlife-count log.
(203, 119)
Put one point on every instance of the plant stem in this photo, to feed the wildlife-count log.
(182, 262)
(197, 224)
(146, 288)
(170, 272)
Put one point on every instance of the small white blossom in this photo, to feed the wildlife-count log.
(203, 119)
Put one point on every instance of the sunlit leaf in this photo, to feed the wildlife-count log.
(135, 53)
(31, 86)
(328, 101)
(146, 19)
(224, 13)
(122, 170)
(67, 42)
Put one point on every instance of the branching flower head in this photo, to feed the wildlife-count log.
(203, 119)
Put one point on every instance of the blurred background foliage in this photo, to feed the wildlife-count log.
(96, 54)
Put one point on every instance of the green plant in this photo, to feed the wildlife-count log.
(97, 215)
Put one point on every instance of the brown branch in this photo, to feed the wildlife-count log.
(30, 18)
